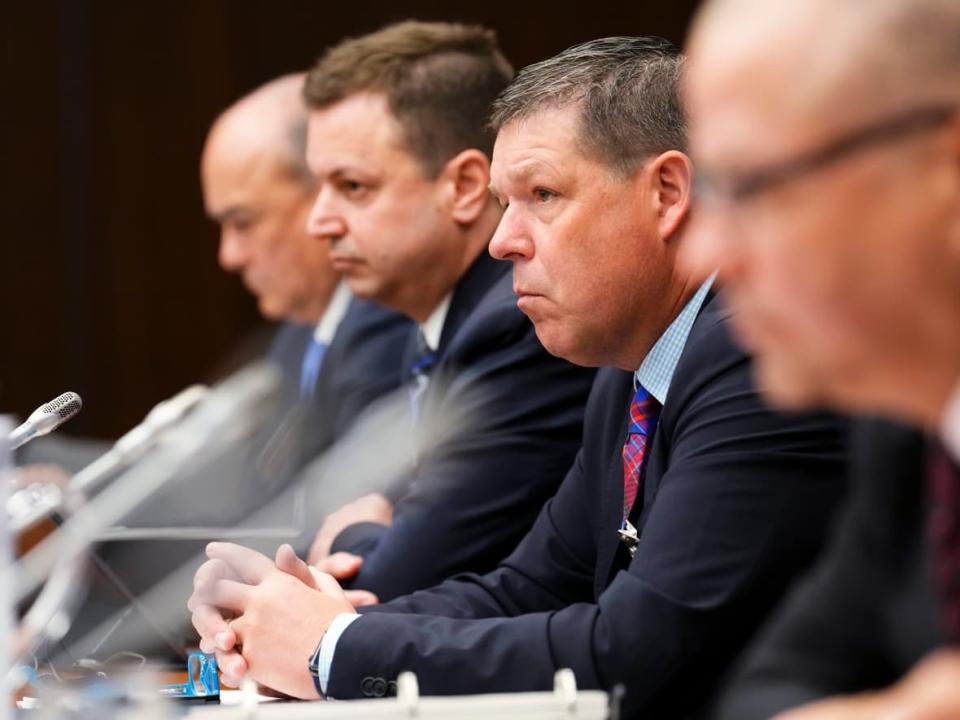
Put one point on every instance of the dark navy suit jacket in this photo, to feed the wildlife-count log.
(869, 610)
(735, 503)
(360, 365)
(476, 494)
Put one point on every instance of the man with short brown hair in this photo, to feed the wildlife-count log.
(438, 80)
(407, 219)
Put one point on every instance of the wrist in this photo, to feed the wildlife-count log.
(313, 665)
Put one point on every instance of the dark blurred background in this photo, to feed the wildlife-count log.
(109, 277)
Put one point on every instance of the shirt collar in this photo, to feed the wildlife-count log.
(656, 370)
(432, 329)
(950, 426)
(336, 309)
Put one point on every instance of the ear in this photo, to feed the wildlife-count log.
(671, 178)
(467, 185)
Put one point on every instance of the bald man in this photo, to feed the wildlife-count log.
(257, 187)
(830, 198)
(337, 354)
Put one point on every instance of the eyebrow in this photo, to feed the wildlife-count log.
(525, 168)
(340, 170)
(229, 214)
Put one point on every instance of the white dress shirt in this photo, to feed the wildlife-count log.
(333, 315)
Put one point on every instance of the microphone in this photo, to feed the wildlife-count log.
(229, 412)
(45, 419)
(29, 505)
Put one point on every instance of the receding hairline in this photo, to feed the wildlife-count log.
(271, 121)
(623, 93)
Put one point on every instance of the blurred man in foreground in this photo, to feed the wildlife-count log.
(690, 506)
(831, 200)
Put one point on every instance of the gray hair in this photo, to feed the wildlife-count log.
(628, 91)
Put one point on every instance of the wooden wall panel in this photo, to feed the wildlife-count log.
(104, 105)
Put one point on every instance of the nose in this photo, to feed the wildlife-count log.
(324, 222)
(232, 253)
(512, 239)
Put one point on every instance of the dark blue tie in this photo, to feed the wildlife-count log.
(419, 373)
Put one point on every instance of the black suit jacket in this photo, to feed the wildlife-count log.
(735, 502)
(360, 365)
(868, 611)
(474, 496)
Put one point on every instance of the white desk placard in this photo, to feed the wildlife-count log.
(564, 703)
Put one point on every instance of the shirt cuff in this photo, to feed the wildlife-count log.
(950, 427)
(328, 646)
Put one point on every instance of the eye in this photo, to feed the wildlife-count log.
(352, 188)
(542, 195)
(242, 224)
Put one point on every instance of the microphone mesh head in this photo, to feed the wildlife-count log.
(64, 406)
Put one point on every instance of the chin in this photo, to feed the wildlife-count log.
(364, 286)
(563, 346)
(271, 312)
(786, 386)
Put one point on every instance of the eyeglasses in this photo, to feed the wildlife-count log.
(744, 185)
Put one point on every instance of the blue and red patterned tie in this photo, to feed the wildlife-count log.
(644, 414)
(944, 487)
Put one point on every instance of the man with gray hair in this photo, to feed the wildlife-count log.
(833, 211)
(690, 506)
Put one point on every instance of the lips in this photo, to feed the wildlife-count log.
(522, 292)
(344, 262)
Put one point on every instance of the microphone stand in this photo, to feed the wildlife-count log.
(32, 504)
(227, 414)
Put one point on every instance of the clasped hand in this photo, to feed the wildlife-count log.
(263, 618)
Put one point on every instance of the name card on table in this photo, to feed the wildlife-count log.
(564, 703)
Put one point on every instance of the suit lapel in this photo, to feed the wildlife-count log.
(468, 293)
(611, 507)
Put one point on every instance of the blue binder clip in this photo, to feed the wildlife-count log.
(202, 682)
